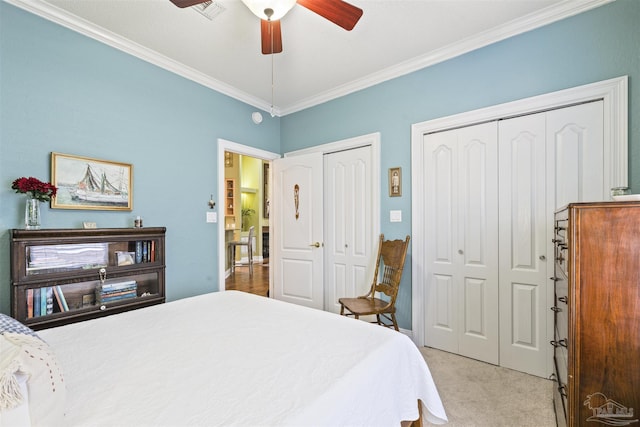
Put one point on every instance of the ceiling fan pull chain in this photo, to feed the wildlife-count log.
(272, 73)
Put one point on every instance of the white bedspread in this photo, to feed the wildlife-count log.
(230, 358)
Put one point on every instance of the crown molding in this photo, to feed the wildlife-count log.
(84, 27)
(539, 19)
(536, 20)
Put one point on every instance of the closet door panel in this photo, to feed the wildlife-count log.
(477, 248)
(348, 246)
(461, 213)
(575, 137)
(441, 264)
(523, 265)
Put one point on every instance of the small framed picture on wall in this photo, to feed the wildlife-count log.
(395, 182)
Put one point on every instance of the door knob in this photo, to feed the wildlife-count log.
(315, 245)
(542, 257)
(460, 251)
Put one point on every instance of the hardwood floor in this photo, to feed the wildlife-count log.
(258, 284)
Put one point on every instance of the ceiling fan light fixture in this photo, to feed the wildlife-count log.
(279, 8)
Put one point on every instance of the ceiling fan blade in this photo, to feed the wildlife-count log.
(271, 36)
(187, 3)
(337, 11)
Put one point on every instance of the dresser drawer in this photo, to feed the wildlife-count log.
(561, 317)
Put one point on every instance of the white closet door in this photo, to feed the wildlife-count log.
(523, 246)
(349, 244)
(462, 253)
(575, 154)
(577, 167)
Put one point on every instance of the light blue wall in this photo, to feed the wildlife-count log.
(593, 46)
(64, 92)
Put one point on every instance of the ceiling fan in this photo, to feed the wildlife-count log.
(339, 12)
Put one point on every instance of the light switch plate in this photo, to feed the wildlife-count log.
(395, 216)
(212, 216)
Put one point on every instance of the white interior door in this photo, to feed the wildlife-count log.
(546, 161)
(349, 243)
(298, 221)
(523, 247)
(461, 251)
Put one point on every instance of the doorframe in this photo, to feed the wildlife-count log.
(371, 139)
(245, 150)
(613, 93)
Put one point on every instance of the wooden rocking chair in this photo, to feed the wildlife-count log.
(390, 263)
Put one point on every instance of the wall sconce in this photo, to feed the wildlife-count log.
(212, 204)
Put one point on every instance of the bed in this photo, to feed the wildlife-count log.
(231, 358)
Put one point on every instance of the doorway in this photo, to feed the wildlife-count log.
(323, 250)
(233, 225)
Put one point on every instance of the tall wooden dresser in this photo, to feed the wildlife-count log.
(597, 314)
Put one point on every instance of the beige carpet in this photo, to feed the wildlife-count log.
(479, 394)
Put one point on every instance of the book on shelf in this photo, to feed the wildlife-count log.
(106, 287)
(144, 250)
(39, 301)
(62, 301)
(48, 292)
(115, 291)
(118, 297)
(36, 302)
(138, 251)
(29, 303)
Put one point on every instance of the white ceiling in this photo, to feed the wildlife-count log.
(320, 61)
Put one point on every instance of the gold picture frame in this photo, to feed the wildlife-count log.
(87, 183)
(395, 182)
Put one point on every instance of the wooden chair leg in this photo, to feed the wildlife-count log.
(395, 323)
(234, 257)
(341, 310)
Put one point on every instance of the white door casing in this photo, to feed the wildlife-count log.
(224, 145)
(461, 251)
(348, 185)
(598, 170)
(298, 218)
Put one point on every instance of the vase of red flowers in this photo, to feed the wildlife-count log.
(37, 192)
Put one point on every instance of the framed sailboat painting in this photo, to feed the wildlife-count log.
(86, 183)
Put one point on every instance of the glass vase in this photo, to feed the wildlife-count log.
(32, 214)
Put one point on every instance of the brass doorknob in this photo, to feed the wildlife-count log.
(315, 245)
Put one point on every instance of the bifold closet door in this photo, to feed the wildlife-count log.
(461, 187)
(547, 160)
(523, 246)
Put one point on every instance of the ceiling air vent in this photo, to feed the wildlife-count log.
(209, 9)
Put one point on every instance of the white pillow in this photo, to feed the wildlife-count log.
(46, 392)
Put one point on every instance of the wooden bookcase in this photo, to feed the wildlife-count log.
(229, 197)
(82, 274)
